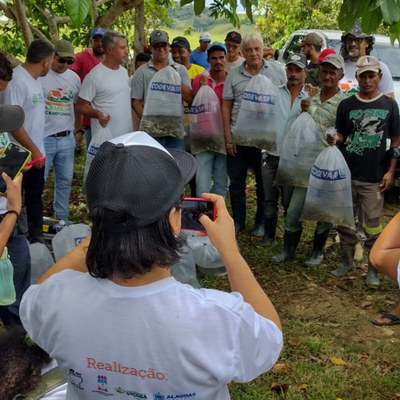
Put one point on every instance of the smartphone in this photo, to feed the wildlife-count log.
(12, 159)
(192, 208)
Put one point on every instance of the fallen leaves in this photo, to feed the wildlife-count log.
(337, 361)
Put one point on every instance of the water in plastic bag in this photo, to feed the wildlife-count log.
(256, 125)
(41, 260)
(301, 146)
(206, 129)
(163, 110)
(329, 196)
(68, 238)
(7, 288)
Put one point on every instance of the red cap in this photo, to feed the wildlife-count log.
(324, 53)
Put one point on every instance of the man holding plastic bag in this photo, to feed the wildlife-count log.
(242, 157)
(368, 129)
(206, 130)
(158, 88)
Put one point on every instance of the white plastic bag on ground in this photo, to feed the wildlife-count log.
(206, 129)
(301, 146)
(68, 238)
(41, 260)
(255, 125)
(98, 139)
(204, 252)
(185, 269)
(163, 110)
(328, 196)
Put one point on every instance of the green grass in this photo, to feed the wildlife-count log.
(323, 318)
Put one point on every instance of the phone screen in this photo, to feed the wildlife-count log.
(12, 160)
(192, 208)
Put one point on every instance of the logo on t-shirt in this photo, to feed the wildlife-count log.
(76, 379)
(102, 387)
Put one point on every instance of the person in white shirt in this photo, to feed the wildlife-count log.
(60, 90)
(105, 91)
(127, 326)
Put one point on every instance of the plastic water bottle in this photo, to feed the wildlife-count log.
(7, 289)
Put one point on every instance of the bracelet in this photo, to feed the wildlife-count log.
(12, 212)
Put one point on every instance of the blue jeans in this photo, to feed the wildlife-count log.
(245, 158)
(60, 156)
(211, 165)
(171, 142)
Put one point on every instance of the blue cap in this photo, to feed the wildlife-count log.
(98, 31)
(216, 46)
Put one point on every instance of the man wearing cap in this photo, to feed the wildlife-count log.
(104, 95)
(161, 328)
(323, 108)
(311, 47)
(288, 107)
(241, 158)
(11, 119)
(159, 47)
(232, 42)
(211, 165)
(199, 54)
(25, 90)
(60, 90)
(356, 44)
(84, 62)
(180, 50)
(368, 129)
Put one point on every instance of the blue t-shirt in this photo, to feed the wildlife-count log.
(200, 59)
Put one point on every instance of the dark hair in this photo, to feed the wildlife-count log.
(133, 252)
(143, 57)
(6, 70)
(317, 47)
(38, 51)
(343, 49)
(21, 363)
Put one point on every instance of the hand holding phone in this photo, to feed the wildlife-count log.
(192, 209)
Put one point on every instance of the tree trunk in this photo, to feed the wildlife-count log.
(139, 35)
(118, 8)
(23, 22)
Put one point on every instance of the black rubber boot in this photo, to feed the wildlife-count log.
(269, 233)
(347, 264)
(290, 242)
(372, 278)
(317, 254)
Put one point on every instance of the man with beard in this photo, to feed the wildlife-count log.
(288, 109)
(84, 62)
(241, 158)
(356, 44)
(312, 46)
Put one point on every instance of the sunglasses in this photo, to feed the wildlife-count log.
(350, 40)
(62, 60)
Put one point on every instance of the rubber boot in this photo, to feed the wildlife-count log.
(290, 242)
(372, 278)
(347, 264)
(317, 254)
(35, 229)
(269, 233)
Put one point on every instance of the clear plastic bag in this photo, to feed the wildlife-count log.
(300, 148)
(329, 196)
(7, 288)
(206, 129)
(163, 110)
(256, 125)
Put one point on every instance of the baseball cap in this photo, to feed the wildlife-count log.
(205, 37)
(135, 175)
(367, 63)
(158, 36)
(298, 59)
(356, 31)
(233, 37)
(180, 41)
(63, 48)
(98, 31)
(324, 53)
(313, 38)
(11, 117)
(216, 46)
(334, 59)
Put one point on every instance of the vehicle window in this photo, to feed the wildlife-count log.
(334, 44)
(293, 47)
(390, 56)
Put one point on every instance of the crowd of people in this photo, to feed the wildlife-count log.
(187, 107)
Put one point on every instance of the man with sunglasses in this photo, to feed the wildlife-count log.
(60, 89)
(356, 44)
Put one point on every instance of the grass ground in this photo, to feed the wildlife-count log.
(332, 351)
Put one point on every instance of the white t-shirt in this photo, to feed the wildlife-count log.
(349, 84)
(164, 340)
(230, 65)
(60, 92)
(109, 92)
(25, 91)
